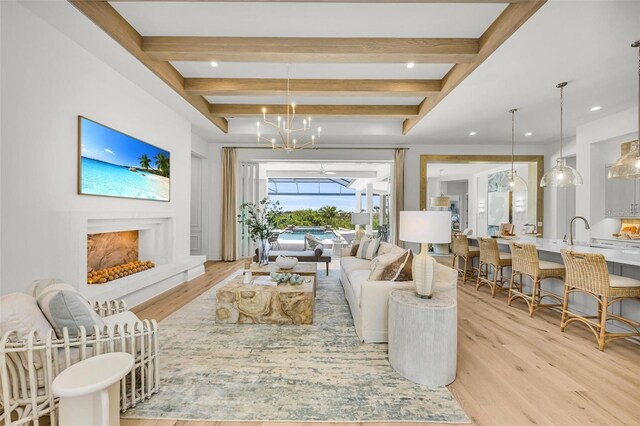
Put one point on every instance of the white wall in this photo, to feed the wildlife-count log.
(48, 80)
(611, 130)
(212, 194)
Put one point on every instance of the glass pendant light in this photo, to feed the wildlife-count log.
(561, 174)
(512, 182)
(628, 166)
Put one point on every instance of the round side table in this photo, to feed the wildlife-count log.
(423, 337)
(89, 391)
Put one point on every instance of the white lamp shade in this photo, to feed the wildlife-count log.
(360, 218)
(425, 226)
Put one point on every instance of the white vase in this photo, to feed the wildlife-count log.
(423, 270)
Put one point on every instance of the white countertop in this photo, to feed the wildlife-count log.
(623, 256)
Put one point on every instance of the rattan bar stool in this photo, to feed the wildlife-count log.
(462, 251)
(492, 258)
(525, 261)
(587, 273)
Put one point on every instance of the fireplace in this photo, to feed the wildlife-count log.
(113, 255)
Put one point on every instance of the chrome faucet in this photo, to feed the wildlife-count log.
(586, 226)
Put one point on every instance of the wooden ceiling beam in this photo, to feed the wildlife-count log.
(498, 32)
(309, 87)
(314, 50)
(349, 111)
(111, 22)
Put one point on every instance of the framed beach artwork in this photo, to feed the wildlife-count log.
(113, 164)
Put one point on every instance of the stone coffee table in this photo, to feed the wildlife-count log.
(239, 303)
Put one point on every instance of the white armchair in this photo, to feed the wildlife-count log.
(29, 361)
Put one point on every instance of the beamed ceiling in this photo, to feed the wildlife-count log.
(448, 48)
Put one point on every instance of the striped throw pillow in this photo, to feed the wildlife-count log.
(368, 248)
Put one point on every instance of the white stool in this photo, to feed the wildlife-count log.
(423, 337)
(89, 391)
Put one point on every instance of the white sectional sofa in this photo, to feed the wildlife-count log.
(368, 300)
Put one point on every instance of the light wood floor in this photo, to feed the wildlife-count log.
(512, 369)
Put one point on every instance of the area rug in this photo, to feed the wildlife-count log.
(318, 372)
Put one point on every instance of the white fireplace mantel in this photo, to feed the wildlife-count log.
(156, 243)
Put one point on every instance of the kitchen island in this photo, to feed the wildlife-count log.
(624, 262)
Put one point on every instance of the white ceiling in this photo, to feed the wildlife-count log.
(308, 19)
(585, 43)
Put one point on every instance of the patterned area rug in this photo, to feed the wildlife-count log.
(318, 372)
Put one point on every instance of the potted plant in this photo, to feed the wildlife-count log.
(261, 220)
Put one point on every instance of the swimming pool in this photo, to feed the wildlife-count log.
(297, 234)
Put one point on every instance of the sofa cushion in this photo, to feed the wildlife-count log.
(126, 317)
(64, 307)
(399, 250)
(368, 248)
(356, 278)
(385, 248)
(354, 249)
(380, 263)
(350, 264)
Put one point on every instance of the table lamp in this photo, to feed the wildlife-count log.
(425, 227)
(360, 219)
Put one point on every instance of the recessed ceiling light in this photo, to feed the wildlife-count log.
(472, 133)
(411, 65)
(596, 108)
(528, 134)
(214, 64)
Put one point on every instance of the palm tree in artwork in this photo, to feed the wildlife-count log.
(162, 164)
(145, 161)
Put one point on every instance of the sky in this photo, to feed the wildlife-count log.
(102, 143)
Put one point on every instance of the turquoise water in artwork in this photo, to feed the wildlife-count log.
(100, 178)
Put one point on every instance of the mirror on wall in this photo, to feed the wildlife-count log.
(477, 200)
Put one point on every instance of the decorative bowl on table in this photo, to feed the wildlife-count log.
(285, 262)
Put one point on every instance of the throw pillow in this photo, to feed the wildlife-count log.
(405, 273)
(381, 262)
(397, 270)
(318, 250)
(368, 248)
(354, 249)
(385, 247)
(310, 242)
(64, 307)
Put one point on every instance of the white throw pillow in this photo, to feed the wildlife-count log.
(368, 248)
(38, 285)
(385, 248)
(20, 312)
(64, 307)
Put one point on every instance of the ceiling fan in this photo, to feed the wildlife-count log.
(322, 171)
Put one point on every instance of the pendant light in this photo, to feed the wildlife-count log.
(561, 174)
(512, 182)
(440, 200)
(628, 165)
